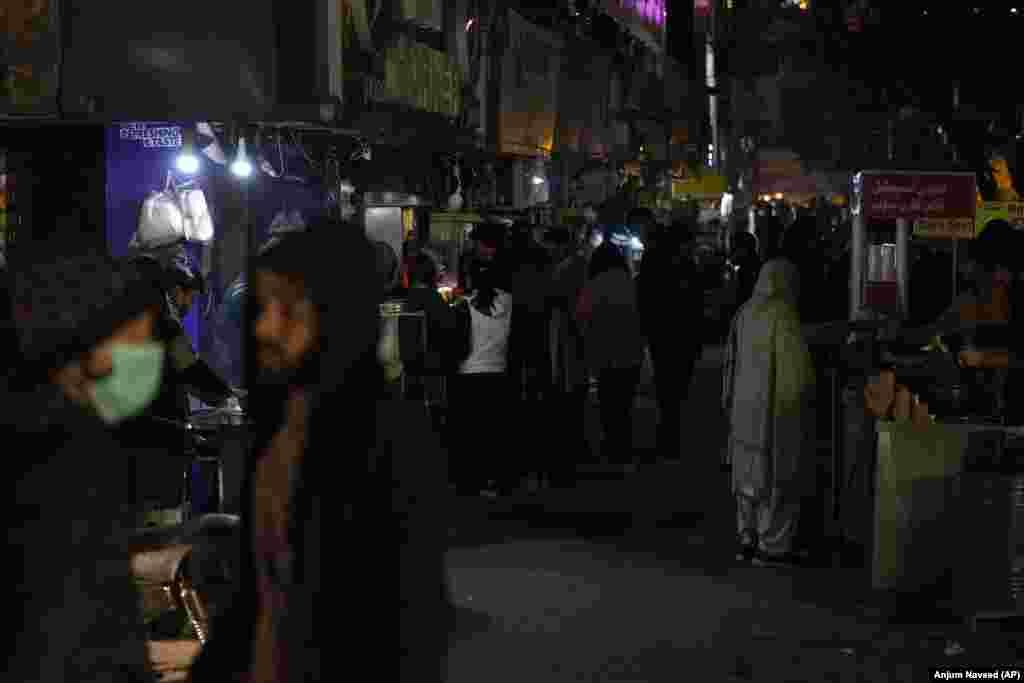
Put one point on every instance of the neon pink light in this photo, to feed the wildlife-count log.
(651, 11)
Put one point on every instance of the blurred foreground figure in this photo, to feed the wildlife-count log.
(85, 324)
(769, 395)
(325, 430)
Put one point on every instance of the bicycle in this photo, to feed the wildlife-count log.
(189, 565)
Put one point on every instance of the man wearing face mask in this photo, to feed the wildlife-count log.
(85, 327)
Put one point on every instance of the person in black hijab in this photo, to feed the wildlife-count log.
(328, 433)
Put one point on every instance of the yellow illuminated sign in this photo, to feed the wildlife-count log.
(945, 228)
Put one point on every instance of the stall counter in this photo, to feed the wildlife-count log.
(914, 503)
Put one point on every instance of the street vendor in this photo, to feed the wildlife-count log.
(187, 372)
(989, 299)
(997, 255)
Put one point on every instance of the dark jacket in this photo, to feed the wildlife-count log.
(347, 459)
(440, 322)
(76, 606)
(670, 299)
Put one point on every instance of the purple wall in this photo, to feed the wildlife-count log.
(139, 155)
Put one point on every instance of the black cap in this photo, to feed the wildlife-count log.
(65, 304)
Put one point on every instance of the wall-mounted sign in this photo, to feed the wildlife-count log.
(150, 136)
(29, 54)
(890, 195)
(419, 77)
(529, 89)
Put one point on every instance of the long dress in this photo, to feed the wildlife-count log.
(769, 393)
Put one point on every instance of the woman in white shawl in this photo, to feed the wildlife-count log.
(768, 395)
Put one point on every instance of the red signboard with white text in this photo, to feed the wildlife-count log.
(889, 195)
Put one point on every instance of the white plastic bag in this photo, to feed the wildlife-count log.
(173, 215)
(198, 225)
(161, 222)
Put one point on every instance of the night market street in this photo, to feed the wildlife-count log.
(635, 580)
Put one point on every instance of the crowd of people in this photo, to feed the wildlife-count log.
(98, 342)
(537, 321)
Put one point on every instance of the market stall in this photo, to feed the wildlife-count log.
(928, 441)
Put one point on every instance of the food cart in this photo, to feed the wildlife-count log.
(887, 206)
(952, 462)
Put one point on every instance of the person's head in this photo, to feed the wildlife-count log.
(607, 257)
(488, 239)
(85, 324)
(769, 236)
(424, 271)
(800, 240)
(306, 298)
(642, 221)
(744, 246)
(778, 279)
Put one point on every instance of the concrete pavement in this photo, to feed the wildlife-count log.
(633, 578)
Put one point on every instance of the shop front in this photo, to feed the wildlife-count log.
(184, 170)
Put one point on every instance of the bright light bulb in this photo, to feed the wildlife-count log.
(188, 163)
(242, 169)
(537, 180)
(241, 166)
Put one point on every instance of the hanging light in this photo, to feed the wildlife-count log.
(187, 161)
(241, 167)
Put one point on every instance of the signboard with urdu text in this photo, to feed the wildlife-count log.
(889, 196)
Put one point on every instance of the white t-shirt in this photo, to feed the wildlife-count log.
(489, 337)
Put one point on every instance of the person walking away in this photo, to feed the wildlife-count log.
(1000, 286)
(671, 306)
(480, 392)
(614, 347)
(89, 361)
(801, 247)
(744, 257)
(529, 348)
(439, 319)
(769, 397)
(569, 368)
(769, 231)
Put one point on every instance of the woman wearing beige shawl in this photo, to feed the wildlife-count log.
(768, 395)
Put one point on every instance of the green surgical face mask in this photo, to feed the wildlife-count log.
(132, 385)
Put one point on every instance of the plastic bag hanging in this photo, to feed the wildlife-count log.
(161, 220)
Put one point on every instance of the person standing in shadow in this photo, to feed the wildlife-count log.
(672, 307)
(614, 344)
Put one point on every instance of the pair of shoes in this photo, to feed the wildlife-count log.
(790, 560)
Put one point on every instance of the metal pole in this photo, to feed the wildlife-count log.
(902, 279)
(956, 266)
(837, 446)
(857, 242)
